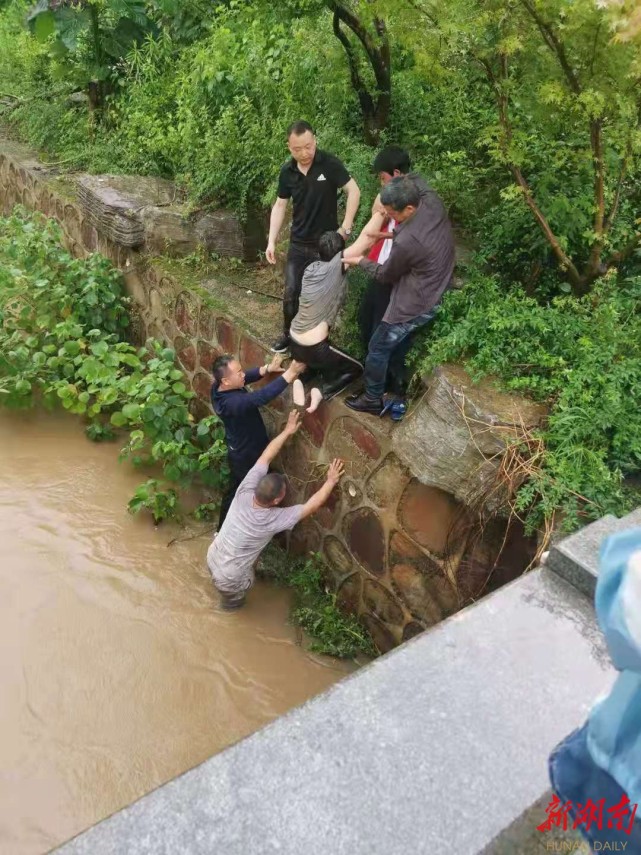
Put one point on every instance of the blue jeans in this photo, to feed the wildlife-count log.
(388, 348)
(576, 778)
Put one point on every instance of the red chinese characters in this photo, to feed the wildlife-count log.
(620, 816)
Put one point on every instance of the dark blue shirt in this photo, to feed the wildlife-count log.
(245, 431)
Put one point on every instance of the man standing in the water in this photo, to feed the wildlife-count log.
(255, 516)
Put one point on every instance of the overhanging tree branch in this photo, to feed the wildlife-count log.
(617, 195)
(375, 107)
(499, 84)
(601, 226)
(596, 143)
(555, 45)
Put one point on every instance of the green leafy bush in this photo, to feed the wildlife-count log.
(331, 631)
(160, 501)
(62, 325)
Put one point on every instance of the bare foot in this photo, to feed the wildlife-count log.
(299, 393)
(315, 397)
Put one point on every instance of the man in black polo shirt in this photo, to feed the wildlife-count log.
(312, 179)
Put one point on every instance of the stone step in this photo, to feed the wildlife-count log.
(576, 558)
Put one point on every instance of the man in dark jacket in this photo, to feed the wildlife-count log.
(419, 269)
(238, 409)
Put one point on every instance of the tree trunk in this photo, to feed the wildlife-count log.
(375, 106)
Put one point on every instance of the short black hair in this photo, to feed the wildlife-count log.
(269, 487)
(399, 193)
(220, 366)
(330, 244)
(299, 128)
(390, 158)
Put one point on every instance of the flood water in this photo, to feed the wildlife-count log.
(117, 670)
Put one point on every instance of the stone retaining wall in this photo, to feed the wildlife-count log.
(403, 552)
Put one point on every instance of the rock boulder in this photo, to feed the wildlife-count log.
(455, 437)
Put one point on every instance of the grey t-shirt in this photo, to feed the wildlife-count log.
(245, 533)
(321, 295)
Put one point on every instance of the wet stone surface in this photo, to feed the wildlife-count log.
(297, 461)
(381, 635)
(185, 315)
(378, 600)
(206, 323)
(169, 331)
(402, 547)
(207, 354)
(316, 424)
(349, 594)
(252, 354)
(338, 558)
(364, 439)
(385, 487)
(227, 336)
(366, 540)
(412, 629)
(429, 515)
(202, 385)
(199, 409)
(305, 538)
(328, 514)
(186, 353)
(414, 589)
(347, 440)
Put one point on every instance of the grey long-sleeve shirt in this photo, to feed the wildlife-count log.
(421, 263)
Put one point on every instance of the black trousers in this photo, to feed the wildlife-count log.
(298, 257)
(238, 469)
(326, 364)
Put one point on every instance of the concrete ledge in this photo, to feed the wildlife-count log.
(576, 558)
(436, 747)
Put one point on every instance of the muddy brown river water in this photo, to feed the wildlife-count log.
(117, 670)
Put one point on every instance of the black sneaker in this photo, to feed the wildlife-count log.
(281, 345)
(363, 404)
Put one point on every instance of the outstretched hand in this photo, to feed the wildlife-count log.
(335, 471)
(293, 423)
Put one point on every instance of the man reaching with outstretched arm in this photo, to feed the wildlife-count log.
(418, 270)
(255, 516)
(238, 409)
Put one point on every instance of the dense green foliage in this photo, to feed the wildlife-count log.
(331, 631)
(524, 114)
(583, 357)
(62, 326)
